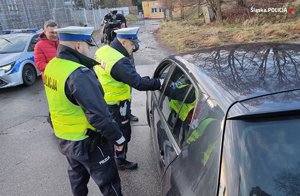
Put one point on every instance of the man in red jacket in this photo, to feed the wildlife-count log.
(45, 49)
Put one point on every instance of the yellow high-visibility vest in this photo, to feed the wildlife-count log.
(115, 91)
(68, 120)
(185, 109)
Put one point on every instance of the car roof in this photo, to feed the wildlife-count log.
(13, 35)
(235, 74)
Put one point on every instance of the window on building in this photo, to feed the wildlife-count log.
(12, 6)
(154, 10)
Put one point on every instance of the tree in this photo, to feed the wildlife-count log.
(168, 5)
(218, 11)
(216, 7)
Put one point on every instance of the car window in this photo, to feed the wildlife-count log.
(201, 147)
(162, 74)
(183, 113)
(32, 43)
(266, 151)
(178, 101)
(13, 44)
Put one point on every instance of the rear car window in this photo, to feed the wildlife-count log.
(266, 153)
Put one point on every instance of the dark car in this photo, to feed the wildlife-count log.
(227, 121)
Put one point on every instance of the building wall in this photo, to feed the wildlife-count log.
(152, 9)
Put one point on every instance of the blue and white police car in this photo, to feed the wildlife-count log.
(16, 57)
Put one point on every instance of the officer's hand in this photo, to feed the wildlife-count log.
(119, 148)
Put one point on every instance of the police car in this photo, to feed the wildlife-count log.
(16, 57)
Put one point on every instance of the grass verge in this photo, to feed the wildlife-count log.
(190, 35)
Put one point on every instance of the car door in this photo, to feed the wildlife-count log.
(195, 171)
(158, 128)
(169, 101)
(188, 135)
(34, 40)
(32, 43)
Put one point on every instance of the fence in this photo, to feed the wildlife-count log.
(33, 14)
(79, 17)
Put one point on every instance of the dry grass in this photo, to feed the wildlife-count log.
(182, 36)
(296, 26)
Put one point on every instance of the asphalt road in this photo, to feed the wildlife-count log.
(30, 163)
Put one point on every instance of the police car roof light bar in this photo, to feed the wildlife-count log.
(11, 31)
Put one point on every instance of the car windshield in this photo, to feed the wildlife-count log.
(266, 157)
(12, 44)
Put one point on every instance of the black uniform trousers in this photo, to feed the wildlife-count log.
(121, 115)
(99, 164)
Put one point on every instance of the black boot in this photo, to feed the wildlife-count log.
(134, 118)
(127, 165)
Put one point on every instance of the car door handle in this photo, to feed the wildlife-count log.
(162, 157)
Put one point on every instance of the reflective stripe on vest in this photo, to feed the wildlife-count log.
(185, 108)
(115, 91)
(69, 121)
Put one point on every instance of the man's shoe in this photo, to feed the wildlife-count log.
(134, 118)
(127, 165)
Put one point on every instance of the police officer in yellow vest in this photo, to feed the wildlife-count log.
(79, 114)
(117, 75)
(177, 94)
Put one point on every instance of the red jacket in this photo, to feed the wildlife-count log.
(44, 51)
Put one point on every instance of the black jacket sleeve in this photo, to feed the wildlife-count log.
(180, 93)
(123, 71)
(83, 87)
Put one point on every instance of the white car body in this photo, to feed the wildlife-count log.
(13, 76)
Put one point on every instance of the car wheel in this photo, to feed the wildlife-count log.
(28, 75)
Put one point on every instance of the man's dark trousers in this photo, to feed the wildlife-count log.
(100, 165)
(122, 117)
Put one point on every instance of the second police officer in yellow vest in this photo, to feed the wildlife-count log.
(79, 114)
(117, 75)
